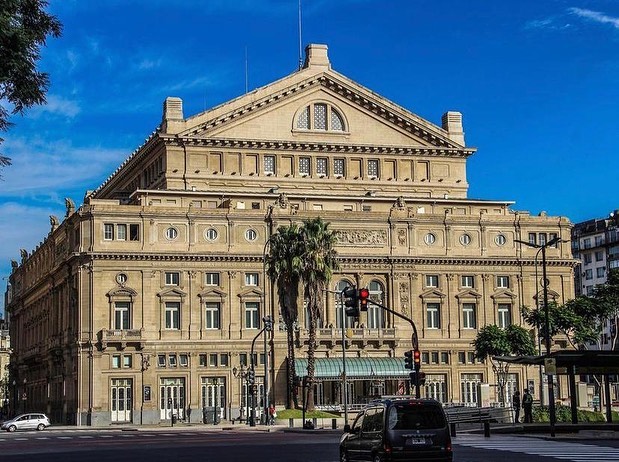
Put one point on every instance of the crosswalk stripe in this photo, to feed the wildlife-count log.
(575, 452)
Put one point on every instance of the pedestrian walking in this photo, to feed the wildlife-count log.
(272, 414)
(516, 406)
(527, 405)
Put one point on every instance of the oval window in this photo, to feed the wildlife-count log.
(251, 235)
(430, 239)
(171, 233)
(211, 234)
(465, 239)
(121, 278)
(500, 239)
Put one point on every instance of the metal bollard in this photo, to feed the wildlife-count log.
(333, 424)
(452, 429)
(487, 429)
(290, 423)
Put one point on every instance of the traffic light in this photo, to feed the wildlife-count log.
(417, 359)
(422, 378)
(351, 301)
(363, 295)
(408, 359)
(268, 323)
(413, 378)
(251, 376)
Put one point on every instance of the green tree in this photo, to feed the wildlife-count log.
(492, 342)
(284, 265)
(24, 27)
(319, 263)
(607, 296)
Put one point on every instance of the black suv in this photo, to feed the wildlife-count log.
(398, 429)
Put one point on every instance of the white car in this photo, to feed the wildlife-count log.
(32, 421)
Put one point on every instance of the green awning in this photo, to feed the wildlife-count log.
(356, 368)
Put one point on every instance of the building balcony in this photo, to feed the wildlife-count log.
(121, 338)
(360, 336)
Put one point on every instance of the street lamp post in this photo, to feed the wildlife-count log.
(551, 392)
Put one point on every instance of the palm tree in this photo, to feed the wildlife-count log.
(284, 266)
(319, 263)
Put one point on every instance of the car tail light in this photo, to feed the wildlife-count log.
(387, 448)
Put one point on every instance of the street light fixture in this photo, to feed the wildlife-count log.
(551, 392)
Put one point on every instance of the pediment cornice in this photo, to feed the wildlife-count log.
(345, 88)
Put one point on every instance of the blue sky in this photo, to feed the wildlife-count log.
(535, 80)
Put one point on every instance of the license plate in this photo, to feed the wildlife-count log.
(415, 441)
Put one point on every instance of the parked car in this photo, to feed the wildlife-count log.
(31, 421)
(398, 429)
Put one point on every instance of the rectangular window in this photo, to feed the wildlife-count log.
(470, 357)
(599, 255)
(108, 232)
(127, 362)
(202, 359)
(461, 357)
(121, 315)
(211, 279)
(304, 165)
(269, 165)
(121, 232)
(589, 292)
(161, 360)
(505, 315)
(212, 360)
(183, 360)
(251, 315)
(552, 236)
(502, 282)
(433, 320)
(261, 358)
(600, 272)
(431, 280)
(587, 243)
(468, 281)
(172, 279)
(116, 362)
(172, 315)
(434, 357)
(251, 279)
(338, 167)
(212, 315)
(589, 274)
(599, 240)
(425, 357)
(444, 357)
(542, 239)
(321, 166)
(223, 360)
(532, 238)
(243, 359)
(172, 360)
(373, 168)
(134, 232)
(587, 258)
(469, 318)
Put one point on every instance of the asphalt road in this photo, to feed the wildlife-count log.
(277, 446)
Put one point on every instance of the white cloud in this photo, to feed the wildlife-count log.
(57, 105)
(40, 168)
(595, 16)
(147, 64)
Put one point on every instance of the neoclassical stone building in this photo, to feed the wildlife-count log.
(144, 300)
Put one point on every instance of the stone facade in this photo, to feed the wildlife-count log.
(144, 301)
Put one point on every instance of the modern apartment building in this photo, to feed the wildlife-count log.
(144, 301)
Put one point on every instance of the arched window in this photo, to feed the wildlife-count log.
(376, 318)
(320, 116)
(339, 287)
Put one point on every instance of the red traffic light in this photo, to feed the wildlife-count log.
(417, 356)
(363, 295)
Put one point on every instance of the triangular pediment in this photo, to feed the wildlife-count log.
(251, 293)
(172, 292)
(504, 293)
(270, 114)
(212, 293)
(432, 293)
(468, 294)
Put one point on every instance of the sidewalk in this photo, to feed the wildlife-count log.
(563, 431)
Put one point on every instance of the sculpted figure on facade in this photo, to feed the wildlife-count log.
(364, 237)
(70, 206)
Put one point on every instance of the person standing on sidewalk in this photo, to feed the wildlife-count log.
(516, 406)
(527, 405)
(272, 414)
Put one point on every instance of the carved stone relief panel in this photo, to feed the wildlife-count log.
(368, 238)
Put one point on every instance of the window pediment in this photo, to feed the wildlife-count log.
(503, 294)
(174, 292)
(122, 292)
(251, 294)
(468, 294)
(432, 294)
(212, 293)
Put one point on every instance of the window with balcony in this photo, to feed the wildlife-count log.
(122, 315)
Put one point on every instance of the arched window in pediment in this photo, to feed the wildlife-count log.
(320, 116)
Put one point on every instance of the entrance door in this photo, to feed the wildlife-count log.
(121, 400)
(172, 398)
(214, 394)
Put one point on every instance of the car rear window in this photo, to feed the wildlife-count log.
(415, 417)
